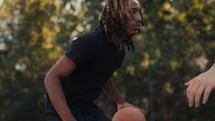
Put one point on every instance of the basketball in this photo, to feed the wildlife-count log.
(129, 114)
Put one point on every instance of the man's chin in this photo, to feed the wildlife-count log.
(133, 34)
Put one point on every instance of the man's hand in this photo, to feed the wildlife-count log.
(123, 105)
(200, 86)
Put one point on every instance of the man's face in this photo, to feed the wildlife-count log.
(134, 18)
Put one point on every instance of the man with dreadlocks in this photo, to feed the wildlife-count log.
(79, 76)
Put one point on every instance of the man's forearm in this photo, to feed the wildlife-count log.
(111, 90)
(57, 98)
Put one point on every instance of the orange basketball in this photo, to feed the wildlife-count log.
(129, 114)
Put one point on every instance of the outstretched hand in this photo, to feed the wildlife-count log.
(200, 86)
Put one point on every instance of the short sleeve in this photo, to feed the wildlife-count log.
(82, 50)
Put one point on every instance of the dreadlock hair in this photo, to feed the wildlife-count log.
(113, 19)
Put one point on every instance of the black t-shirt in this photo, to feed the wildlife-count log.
(96, 59)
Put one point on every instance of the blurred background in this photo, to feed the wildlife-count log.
(176, 43)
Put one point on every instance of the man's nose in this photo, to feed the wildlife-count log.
(138, 17)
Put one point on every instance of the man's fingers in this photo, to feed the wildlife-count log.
(187, 83)
(206, 94)
(198, 95)
(189, 88)
(191, 93)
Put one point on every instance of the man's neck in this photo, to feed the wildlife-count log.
(117, 41)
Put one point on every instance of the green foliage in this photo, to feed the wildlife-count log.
(175, 44)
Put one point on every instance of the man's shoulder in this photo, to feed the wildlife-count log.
(92, 38)
(95, 35)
